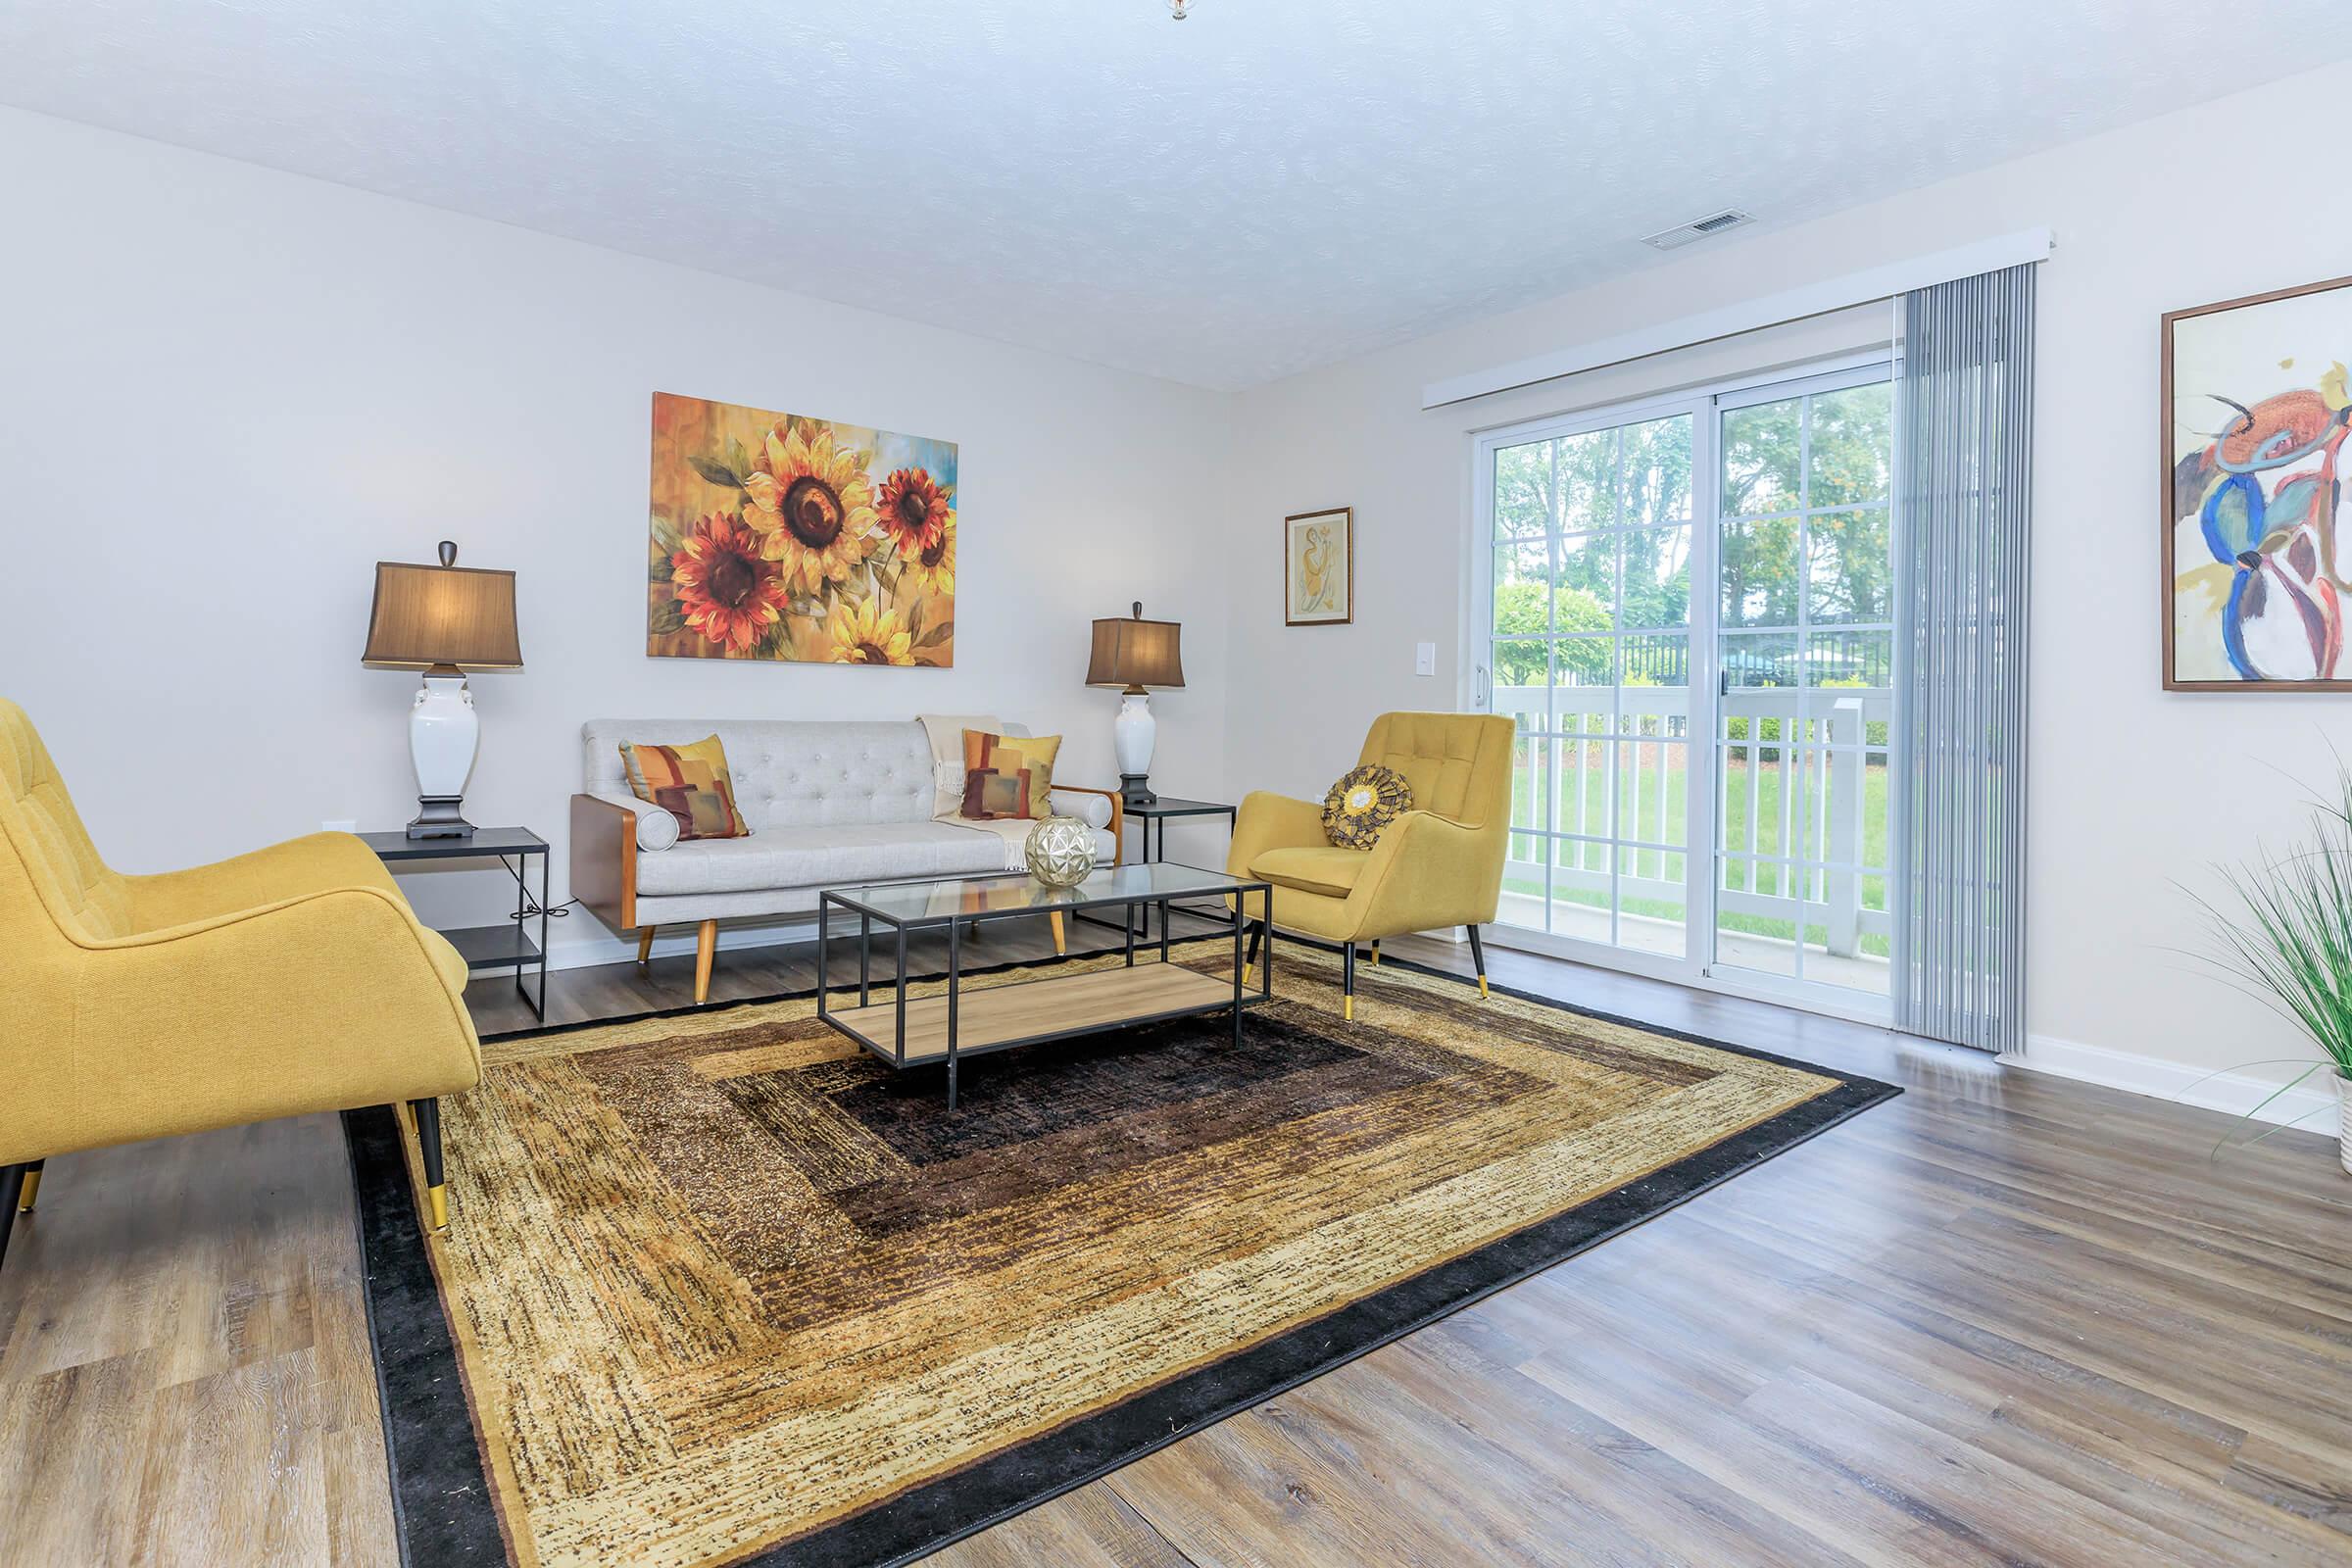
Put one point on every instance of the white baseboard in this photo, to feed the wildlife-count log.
(2312, 1102)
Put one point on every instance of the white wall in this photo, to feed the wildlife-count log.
(227, 392)
(2131, 787)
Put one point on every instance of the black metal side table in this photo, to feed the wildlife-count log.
(488, 947)
(1163, 811)
(1166, 808)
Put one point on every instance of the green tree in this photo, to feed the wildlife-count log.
(1795, 454)
(1520, 610)
(1594, 534)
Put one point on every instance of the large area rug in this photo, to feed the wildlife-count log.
(720, 1288)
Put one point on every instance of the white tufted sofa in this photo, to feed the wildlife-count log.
(829, 804)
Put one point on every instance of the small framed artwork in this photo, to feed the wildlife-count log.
(1318, 567)
(2257, 582)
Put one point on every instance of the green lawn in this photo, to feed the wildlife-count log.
(1669, 866)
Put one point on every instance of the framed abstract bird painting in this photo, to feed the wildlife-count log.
(2257, 573)
(1318, 567)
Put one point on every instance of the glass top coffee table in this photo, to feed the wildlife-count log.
(926, 1031)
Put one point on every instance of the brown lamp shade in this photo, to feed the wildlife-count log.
(1136, 653)
(428, 616)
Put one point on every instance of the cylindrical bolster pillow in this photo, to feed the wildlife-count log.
(1091, 810)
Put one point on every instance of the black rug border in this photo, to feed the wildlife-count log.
(442, 1503)
(447, 1513)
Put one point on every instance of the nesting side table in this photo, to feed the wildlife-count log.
(487, 948)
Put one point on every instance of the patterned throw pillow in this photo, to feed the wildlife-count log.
(1007, 776)
(689, 782)
(1362, 803)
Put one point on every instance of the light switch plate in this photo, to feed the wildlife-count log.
(1425, 659)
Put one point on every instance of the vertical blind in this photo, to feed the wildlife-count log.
(1964, 465)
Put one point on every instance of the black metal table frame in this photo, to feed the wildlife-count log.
(955, 924)
(524, 954)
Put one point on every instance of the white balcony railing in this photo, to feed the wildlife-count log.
(1793, 814)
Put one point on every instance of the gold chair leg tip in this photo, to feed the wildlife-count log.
(32, 1186)
(437, 1200)
(1483, 992)
(1348, 1008)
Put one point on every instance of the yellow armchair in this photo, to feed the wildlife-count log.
(289, 980)
(1439, 864)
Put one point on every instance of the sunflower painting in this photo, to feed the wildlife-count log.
(780, 537)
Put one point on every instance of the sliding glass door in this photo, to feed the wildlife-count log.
(1805, 650)
(1589, 646)
(1685, 607)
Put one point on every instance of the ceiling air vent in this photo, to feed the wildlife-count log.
(1675, 238)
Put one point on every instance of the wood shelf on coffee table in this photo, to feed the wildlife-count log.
(925, 1031)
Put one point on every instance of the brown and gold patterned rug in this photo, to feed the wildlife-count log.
(720, 1289)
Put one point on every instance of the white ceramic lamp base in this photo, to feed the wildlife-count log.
(1131, 736)
(443, 736)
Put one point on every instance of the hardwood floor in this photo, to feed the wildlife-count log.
(2004, 1318)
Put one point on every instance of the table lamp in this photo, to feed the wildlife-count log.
(443, 621)
(1132, 655)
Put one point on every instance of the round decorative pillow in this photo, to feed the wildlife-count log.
(1361, 804)
(1059, 851)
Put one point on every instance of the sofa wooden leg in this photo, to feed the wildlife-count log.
(32, 1186)
(1375, 953)
(1477, 959)
(645, 944)
(706, 943)
(12, 1182)
(1347, 982)
(429, 1143)
(1062, 938)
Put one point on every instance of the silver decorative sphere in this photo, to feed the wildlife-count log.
(1060, 852)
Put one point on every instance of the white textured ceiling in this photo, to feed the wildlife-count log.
(1265, 187)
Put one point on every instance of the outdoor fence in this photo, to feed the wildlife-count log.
(1795, 762)
(1663, 662)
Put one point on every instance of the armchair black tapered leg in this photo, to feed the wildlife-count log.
(32, 1186)
(1347, 981)
(11, 1183)
(429, 1141)
(1258, 930)
(1478, 959)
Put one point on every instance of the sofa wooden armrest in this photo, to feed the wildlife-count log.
(1118, 817)
(604, 860)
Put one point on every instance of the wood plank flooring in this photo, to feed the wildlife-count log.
(2006, 1318)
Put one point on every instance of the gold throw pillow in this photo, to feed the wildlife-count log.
(1007, 775)
(689, 782)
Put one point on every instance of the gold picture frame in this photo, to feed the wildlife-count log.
(1318, 567)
